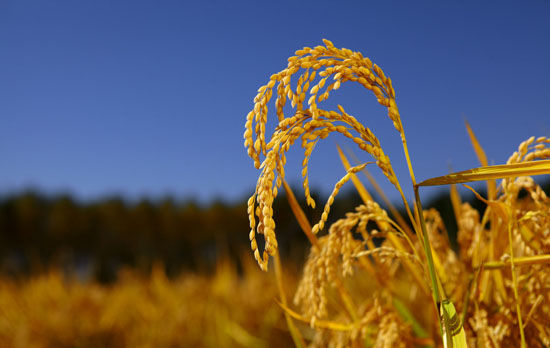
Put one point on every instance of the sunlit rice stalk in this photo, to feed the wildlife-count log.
(311, 123)
(369, 242)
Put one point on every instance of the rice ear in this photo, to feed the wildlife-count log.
(306, 228)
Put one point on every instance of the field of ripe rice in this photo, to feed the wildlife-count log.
(225, 309)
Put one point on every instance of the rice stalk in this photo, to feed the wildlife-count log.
(309, 124)
(354, 292)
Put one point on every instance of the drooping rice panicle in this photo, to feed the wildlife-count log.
(309, 123)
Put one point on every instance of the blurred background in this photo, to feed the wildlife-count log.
(124, 178)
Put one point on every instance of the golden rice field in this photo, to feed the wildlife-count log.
(375, 278)
(225, 309)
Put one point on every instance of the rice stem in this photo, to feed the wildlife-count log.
(515, 282)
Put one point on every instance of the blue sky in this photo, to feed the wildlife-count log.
(149, 97)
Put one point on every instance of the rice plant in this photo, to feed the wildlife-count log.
(410, 289)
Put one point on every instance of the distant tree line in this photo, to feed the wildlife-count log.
(96, 239)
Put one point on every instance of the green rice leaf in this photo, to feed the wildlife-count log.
(453, 331)
(406, 314)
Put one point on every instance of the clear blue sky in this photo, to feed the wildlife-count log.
(149, 97)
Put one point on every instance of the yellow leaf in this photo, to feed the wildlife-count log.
(491, 184)
(299, 214)
(323, 324)
(491, 172)
(518, 261)
(500, 208)
(529, 237)
(456, 202)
